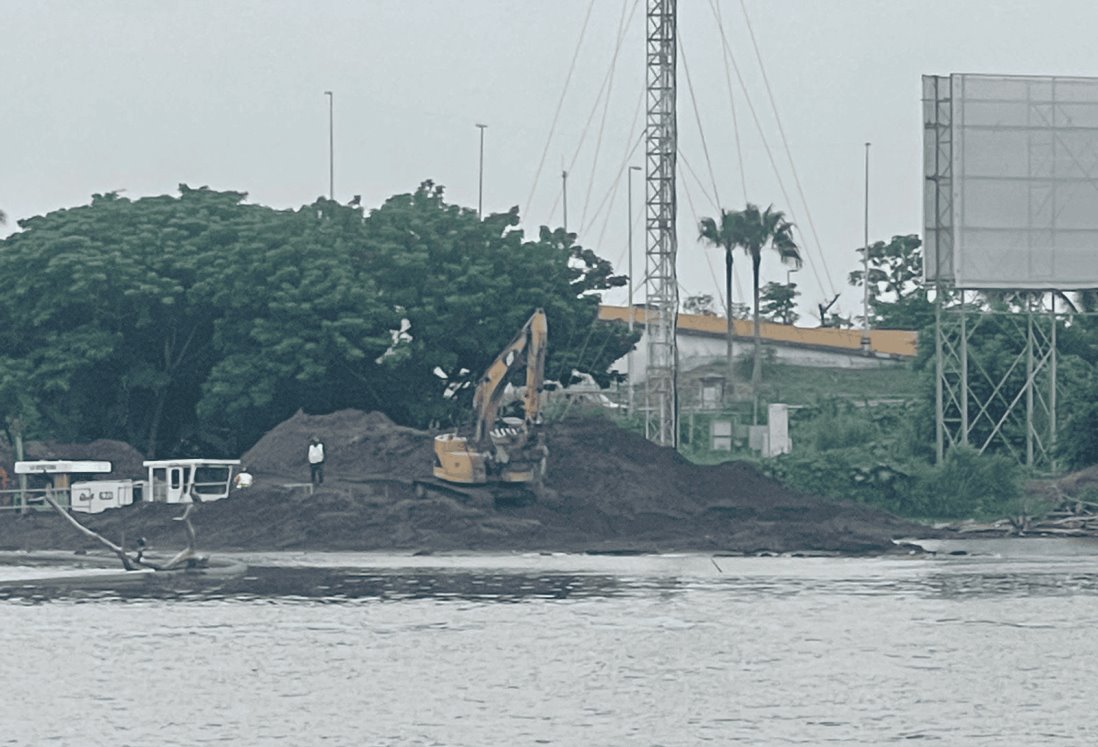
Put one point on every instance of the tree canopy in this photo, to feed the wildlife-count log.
(897, 298)
(198, 321)
(779, 302)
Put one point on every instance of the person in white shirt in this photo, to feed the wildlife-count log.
(243, 479)
(316, 461)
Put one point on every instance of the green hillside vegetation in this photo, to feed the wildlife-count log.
(867, 436)
(805, 385)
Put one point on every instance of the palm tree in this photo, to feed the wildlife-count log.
(754, 230)
(763, 229)
(724, 235)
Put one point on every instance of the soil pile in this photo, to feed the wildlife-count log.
(126, 461)
(357, 445)
(1081, 485)
(608, 490)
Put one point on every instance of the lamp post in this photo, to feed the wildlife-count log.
(865, 261)
(564, 196)
(632, 312)
(480, 177)
(331, 144)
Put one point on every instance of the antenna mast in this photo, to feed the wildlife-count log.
(661, 281)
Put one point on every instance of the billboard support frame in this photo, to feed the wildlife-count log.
(1014, 410)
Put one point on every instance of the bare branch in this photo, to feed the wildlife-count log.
(130, 564)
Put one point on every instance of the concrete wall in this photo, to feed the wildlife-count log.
(696, 350)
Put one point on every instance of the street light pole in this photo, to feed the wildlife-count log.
(480, 178)
(632, 312)
(865, 260)
(564, 196)
(331, 145)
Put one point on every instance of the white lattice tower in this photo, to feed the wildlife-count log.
(661, 282)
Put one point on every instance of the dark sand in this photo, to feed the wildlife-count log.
(608, 490)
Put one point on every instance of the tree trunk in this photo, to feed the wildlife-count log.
(729, 387)
(154, 422)
(756, 368)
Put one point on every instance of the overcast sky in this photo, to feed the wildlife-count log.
(142, 96)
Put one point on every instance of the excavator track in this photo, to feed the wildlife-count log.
(489, 496)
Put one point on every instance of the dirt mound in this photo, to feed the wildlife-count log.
(1072, 485)
(357, 445)
(607, 490)
(594, 459)
(1075, 492)
(629, 486)
(126, 461)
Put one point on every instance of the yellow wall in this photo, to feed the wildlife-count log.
(899, 342)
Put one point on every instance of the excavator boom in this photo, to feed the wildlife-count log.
(526, 349)
(511, 452)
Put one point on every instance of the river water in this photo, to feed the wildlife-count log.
(996, 647)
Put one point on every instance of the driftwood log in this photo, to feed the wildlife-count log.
(188, 555)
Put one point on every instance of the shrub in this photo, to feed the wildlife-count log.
(968, 484)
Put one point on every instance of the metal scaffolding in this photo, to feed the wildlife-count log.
(661, 282)
(1003, 395)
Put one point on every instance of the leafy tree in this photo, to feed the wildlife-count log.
(302, 322)
(897, 298)
(102, 338)
(779, 302)
(1078, 445)
(200, 321)
(466, 286)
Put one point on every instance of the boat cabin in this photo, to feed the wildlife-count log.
(174, 480)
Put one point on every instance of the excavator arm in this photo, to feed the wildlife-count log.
(512, 453)
(526, 349)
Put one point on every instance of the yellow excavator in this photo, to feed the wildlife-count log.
(503, 452)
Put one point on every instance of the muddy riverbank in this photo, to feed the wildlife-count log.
(608, 490)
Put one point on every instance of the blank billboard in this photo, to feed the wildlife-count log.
(1011, 181)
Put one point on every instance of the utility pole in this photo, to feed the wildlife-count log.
(480, 178)
(632, 311)
(865, 261)
(564, 195)
(331, 145)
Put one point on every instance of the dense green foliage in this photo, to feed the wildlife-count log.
(897, 298)
(779, 302)
(200, 321)
(874, 455)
